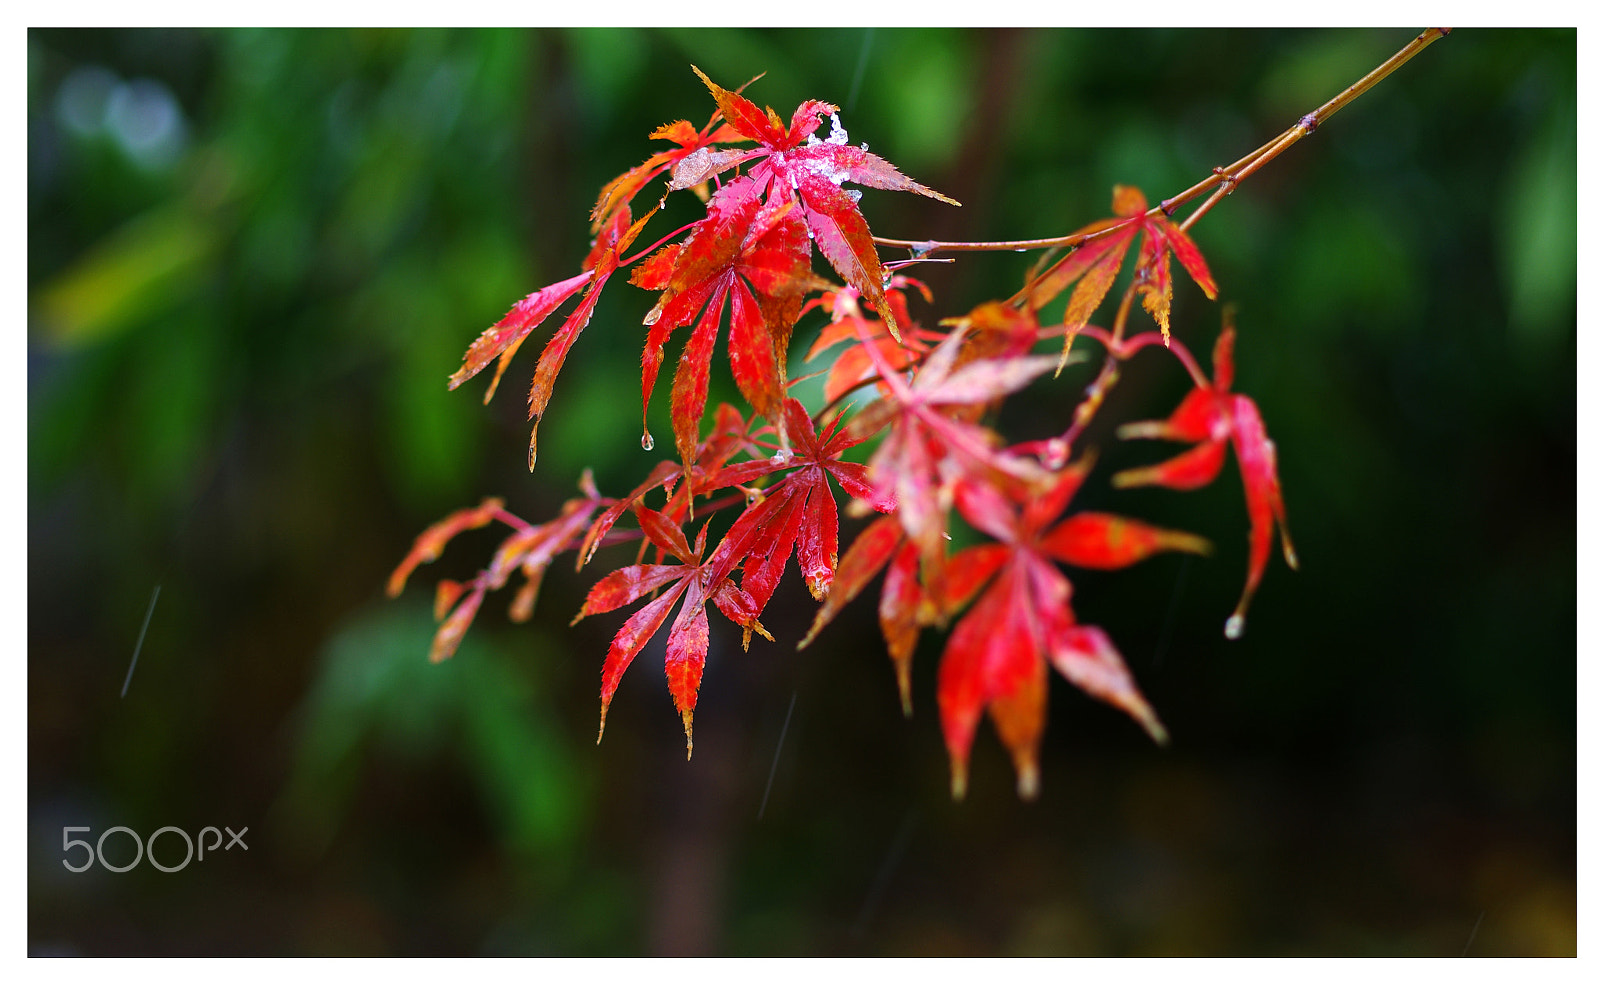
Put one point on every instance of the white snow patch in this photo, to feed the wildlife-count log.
(825, 168)
(837, 135)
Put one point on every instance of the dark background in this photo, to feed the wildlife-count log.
(254, 257)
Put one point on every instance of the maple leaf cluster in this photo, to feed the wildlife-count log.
(773, 191)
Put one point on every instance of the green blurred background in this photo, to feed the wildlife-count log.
(255, 256)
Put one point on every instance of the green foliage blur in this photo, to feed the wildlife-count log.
(254, 256)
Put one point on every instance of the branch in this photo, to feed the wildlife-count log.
(1228, 177)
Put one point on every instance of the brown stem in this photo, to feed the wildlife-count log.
(1228, 177)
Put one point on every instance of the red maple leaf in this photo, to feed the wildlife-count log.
(1099, 259)
(696, 580)
(799, 515)
(1211, 416)
(795, 165)
(751, 256)
(996, 656)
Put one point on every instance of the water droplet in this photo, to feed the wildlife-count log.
(1234, 629)
(782, 456)
(1028, 781)
(647, 442)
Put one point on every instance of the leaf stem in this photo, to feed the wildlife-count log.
(1096, 393)
(659, 242)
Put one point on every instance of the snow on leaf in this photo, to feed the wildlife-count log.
(813, 170)
(619, 191)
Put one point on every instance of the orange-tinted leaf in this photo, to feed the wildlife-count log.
(681, 132)
(448, 638)
(1107, 249)
(1155, 281)
(687, 644)
(506, 336)
(1128, 201)
(430, 544)
(995, 330)
(620, 190)
(655, 272)
(1098, 260)
(742, 114)
(445, 596)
